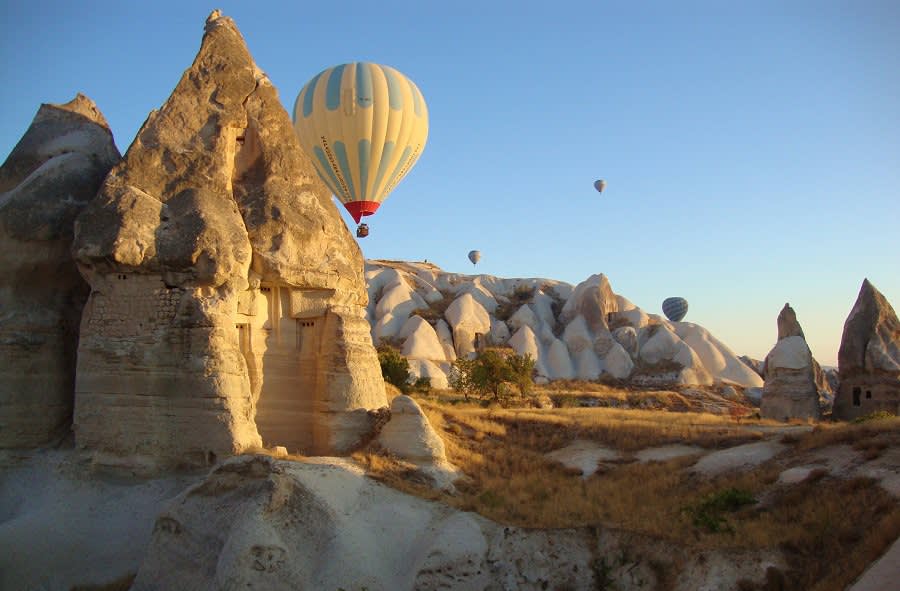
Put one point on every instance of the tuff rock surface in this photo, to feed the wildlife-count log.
(869, 357)
(227, 305)
(790, 389)
(255, 522)
(409, 436)
(45, 182)
(584, 332)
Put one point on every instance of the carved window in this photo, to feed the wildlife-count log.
(868, 394)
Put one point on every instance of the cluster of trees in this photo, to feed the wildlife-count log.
(492, 374)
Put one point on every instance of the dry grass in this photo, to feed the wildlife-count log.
(875, 434)
(509, 480)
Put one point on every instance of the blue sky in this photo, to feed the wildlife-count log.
(751, 149)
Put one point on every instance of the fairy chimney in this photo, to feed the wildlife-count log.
(227, 304)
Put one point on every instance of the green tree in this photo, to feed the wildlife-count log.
(492, 373)
(394, 367)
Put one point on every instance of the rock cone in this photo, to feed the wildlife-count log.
(227, 295)
(869, 357)
(789, 371)
(47, 180)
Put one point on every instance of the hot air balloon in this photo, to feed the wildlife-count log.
(675, 308)
(475, 256)
(364, 125)
(600, 185)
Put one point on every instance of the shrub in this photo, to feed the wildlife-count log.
(492, 373)
(707, 514)
(394, 367)
(875, 416)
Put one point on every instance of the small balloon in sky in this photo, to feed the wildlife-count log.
(600, 185)
(474, 256)
(364, 125)
(675, 308)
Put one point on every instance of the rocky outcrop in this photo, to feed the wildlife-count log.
(47, 180)
(790, 390)
(586, 332)
(869, 357)
(260, 523)
(409, 436)
(227, 305)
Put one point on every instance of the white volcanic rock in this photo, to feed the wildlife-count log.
(586, 312)
(467, 318)
(618, 363)
(442, 329)
(524, 342)
(790, 380)
(45, 182)
(227, 305)
(594, 299)
(716, 357)
(409, 436)
(627, 337)
(577, 335)
(558, 361)
(524, 316)
(499, 332)
(421, 341)
(587, 365)
(435, 372)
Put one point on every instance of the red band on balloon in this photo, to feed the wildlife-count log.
(358, 209)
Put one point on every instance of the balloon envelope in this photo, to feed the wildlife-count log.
(475, 256)
(600, 185)
(675, 308)
(364, 125)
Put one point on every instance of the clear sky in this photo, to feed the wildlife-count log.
(751, 148)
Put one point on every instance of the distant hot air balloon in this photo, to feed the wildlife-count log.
(600, 185)
(475, 256)
(675, 308)
(364, 125)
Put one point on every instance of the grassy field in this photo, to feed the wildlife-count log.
(815, 523)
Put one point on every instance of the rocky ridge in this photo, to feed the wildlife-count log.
(573, 332)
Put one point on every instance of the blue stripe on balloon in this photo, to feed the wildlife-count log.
(417, 102)
(364, 151)
(310, 95)
(333, 92)
(328, 176)
(395, 94)
(364, 91)
(340, 150)
(386, 153)
(400, 165)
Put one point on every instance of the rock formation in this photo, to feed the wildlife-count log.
(586, 332)
(227, 305)
(869, 357)
(47, 180)
(790, 380)
(260, 523)
(409, 436)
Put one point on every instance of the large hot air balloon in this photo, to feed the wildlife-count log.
(474, 256)
(675, 308)
(600, 185)
(364, 125)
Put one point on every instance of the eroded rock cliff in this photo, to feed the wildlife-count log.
(47, 180)
(227, 305)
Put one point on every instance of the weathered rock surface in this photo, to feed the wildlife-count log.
(47, 180)
(268, 524)
(790, 378)
(227, 297)
(869, 357)
(585, 332)
(409, 436)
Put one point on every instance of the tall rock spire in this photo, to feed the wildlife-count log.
(227, 293)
